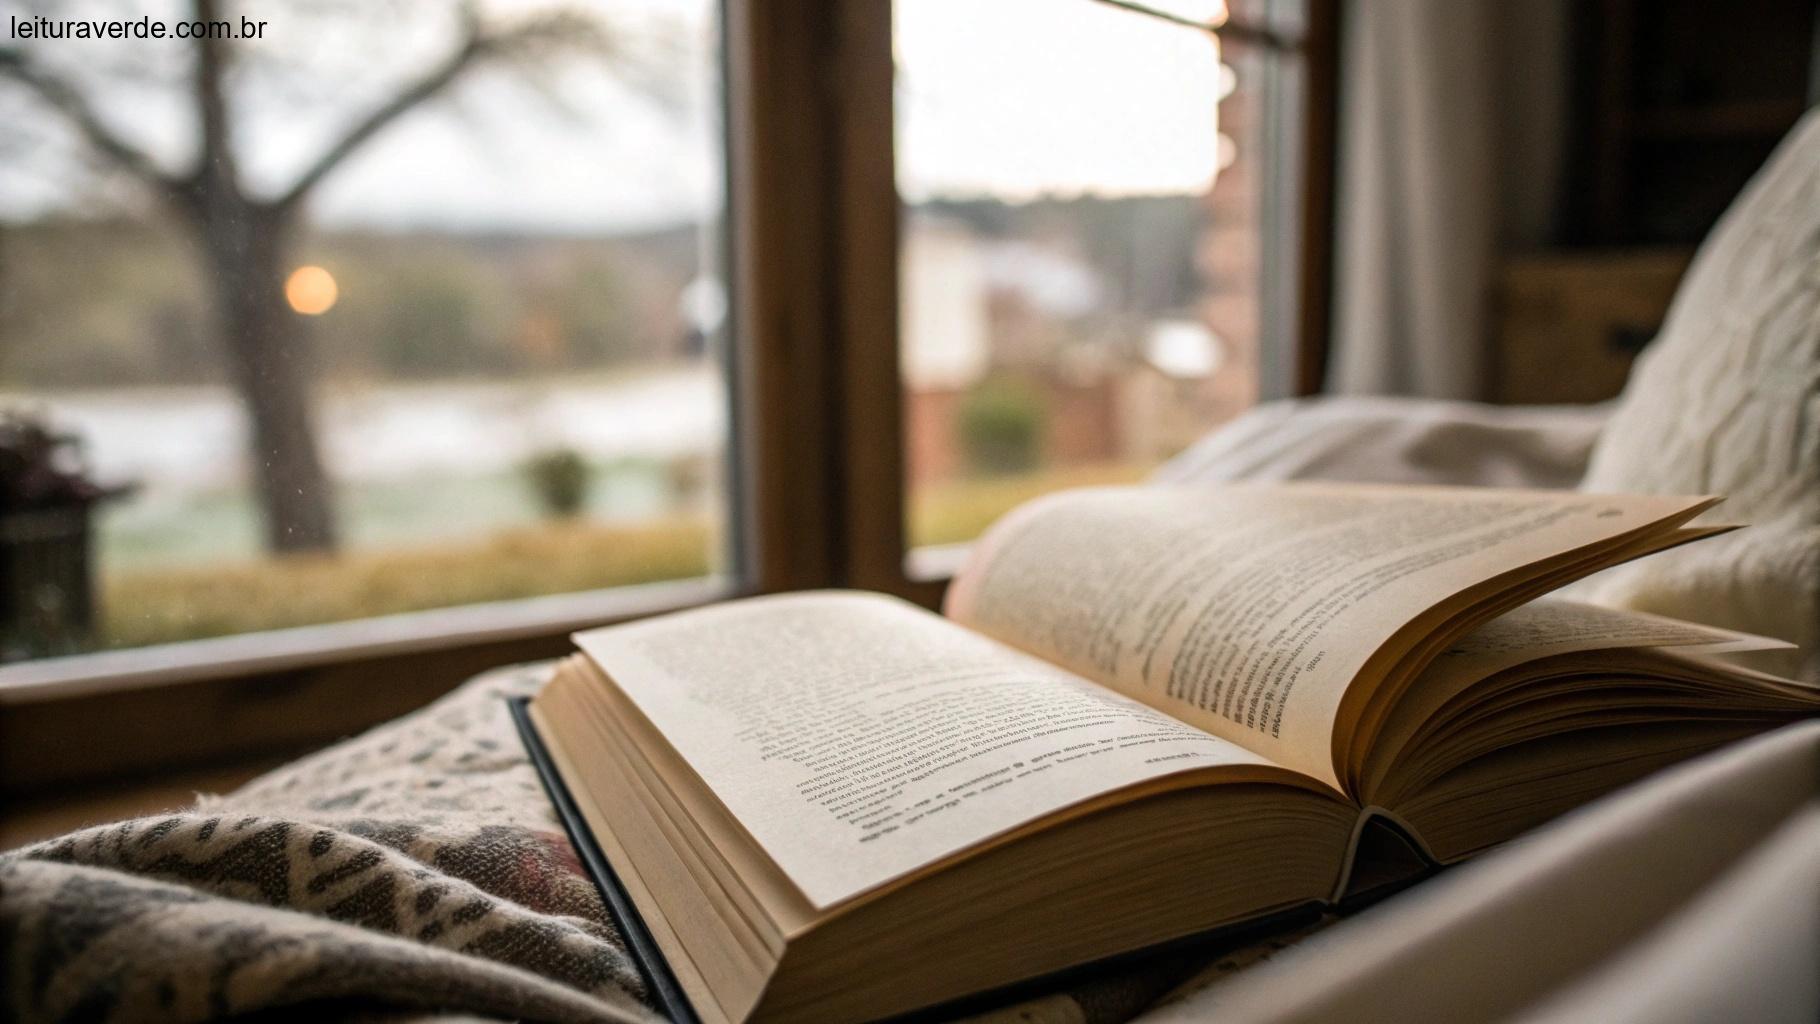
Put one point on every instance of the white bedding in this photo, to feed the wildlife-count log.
(1397, 440)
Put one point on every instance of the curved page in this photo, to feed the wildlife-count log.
(858, 738)
(1249, 610)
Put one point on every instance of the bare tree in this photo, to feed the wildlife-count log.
(247, 238)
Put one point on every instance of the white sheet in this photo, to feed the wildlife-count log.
(1397, 440)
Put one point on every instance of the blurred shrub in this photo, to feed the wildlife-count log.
(691, 479)
(559, 480)
(42, 468)
(1001, 427)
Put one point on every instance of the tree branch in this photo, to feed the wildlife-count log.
(67, 101)
(217, 175)
(477, 46)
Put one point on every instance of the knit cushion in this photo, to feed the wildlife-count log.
(1726, 400)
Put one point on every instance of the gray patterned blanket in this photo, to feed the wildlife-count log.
(416, 872)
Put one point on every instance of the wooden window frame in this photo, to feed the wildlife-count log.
(815, 240)
(818, 482)
(816, 284)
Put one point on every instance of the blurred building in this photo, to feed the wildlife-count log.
(1134, 346)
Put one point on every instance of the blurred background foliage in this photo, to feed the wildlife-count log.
(118, 303)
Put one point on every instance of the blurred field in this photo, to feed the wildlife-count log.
(158, 605)
(956, 511)
(161, 605)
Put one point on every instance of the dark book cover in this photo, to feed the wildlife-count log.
(666, 995)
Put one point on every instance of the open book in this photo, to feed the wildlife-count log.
(1148, 713)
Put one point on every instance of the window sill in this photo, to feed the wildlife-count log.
(936, 563)
(117, 715)
(307, 647)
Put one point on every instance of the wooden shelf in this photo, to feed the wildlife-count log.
(1681, 103)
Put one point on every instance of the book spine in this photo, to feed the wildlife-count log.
(1383, 856)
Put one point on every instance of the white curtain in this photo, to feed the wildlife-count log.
(1451, 115)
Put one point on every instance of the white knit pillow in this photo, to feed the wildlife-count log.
(1727, 401)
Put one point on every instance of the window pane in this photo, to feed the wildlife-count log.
(1095, 261)
(472, 353)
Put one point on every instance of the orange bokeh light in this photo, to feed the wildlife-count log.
(311, 290)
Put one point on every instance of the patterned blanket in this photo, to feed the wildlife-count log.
(416, 872)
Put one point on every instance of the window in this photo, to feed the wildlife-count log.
(443, 323)
(1093, 265)
(528, 376)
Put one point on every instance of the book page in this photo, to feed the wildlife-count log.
(1249, 610)
(1554, 625)
(858, 738)
(1534, 633)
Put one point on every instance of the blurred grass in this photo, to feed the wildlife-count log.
(160, 605)
(958, 510)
